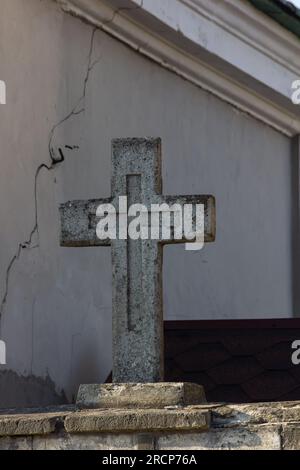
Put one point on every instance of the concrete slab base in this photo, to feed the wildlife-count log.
(140, 396)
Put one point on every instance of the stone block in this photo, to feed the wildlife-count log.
(29, 424)
(15, 443)
(291, 437)
(141, 421)
(64, 441)
(255, 438)
(151, 395)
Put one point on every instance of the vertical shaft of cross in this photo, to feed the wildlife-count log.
(137, 323)
(137, 279)
(134, 259)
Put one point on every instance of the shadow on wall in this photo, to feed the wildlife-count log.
(31, 391)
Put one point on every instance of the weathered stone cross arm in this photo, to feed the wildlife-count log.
(79, 219)
(78, 223)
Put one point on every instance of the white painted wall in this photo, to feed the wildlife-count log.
(296, 3)
(57, 317)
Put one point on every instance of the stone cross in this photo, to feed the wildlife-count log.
(137, 264)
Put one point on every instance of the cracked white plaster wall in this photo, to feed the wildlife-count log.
(56, 156)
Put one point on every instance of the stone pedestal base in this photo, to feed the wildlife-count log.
(140, 396)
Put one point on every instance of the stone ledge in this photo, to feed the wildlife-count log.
(105, 421)
(30, 424)
(224, 415)
(141, 396)
(213, 426)
(147, 420)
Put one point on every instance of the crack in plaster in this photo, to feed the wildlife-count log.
(27, 244)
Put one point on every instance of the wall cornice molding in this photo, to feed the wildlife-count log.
(227, 48)
(252, 27)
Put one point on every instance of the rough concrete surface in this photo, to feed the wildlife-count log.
(136, 420)
(254, 438)
(151, 395)
(22, 425)
(265, 426)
